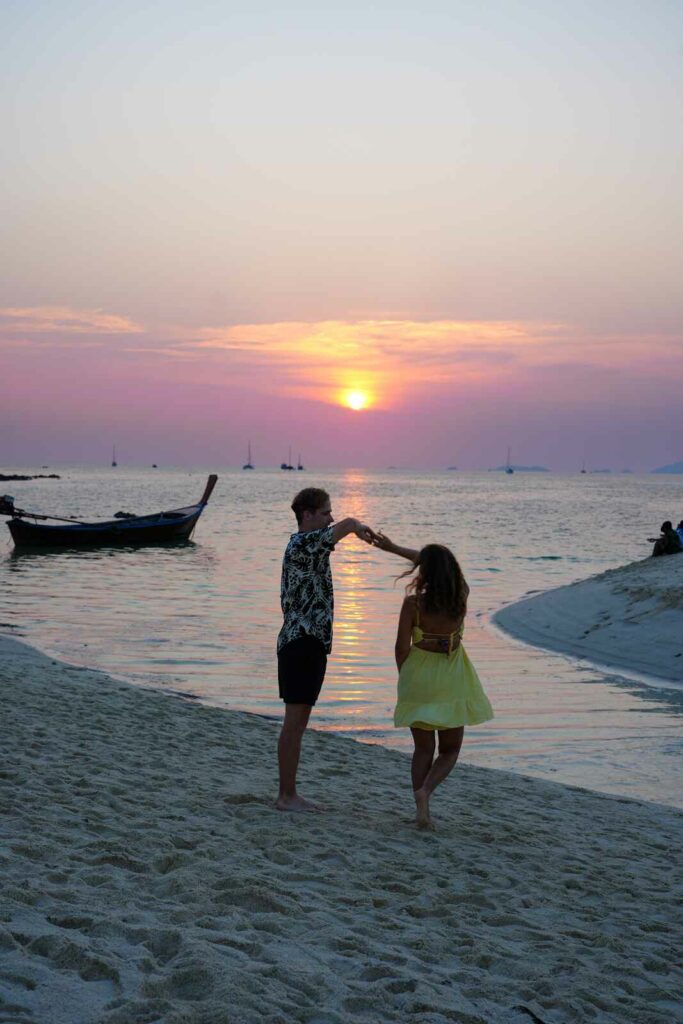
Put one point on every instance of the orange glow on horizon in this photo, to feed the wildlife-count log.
(374, 364)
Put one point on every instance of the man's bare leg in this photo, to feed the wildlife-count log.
(450, 742)
(288, 753)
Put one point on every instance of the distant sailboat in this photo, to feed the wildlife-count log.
(508, 467)
(300, 464)
(113, 456)
(583, 466)
(288, 464)
(248, 464)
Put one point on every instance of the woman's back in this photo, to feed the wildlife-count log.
(435, 630)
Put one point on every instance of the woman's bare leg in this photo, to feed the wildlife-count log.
(450, 742)
(423, 756)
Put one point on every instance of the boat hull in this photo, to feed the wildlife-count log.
(164, 528)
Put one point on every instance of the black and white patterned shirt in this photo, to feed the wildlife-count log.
(306, 591)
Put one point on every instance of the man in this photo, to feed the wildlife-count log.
(669, 543)
(679, 530)
(305, 639)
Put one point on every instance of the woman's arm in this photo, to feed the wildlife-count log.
(405, 631)
(385, 544)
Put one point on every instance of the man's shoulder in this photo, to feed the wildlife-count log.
(309, 540)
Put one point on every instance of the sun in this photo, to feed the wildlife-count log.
(356, 400)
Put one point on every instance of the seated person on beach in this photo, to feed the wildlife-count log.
(669, 543)
(679, 530)
(438, 687)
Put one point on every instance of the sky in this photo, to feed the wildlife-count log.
(229, 222)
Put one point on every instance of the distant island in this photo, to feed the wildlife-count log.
(674, 467)
(521, 469)
(38, 476)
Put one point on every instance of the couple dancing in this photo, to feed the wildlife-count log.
(438, 688)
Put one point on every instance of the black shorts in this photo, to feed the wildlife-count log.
(301, 668)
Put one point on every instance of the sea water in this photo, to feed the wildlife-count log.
(201, 619)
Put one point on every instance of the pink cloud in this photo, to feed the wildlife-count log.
(61, 322)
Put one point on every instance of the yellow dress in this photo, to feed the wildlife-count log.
(440, 690)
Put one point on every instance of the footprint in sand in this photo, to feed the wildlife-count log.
(164, 945)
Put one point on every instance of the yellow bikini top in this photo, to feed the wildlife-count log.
(447, 641)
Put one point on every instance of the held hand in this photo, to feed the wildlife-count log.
(365, 533)
(380, 540)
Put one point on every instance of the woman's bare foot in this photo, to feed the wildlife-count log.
(422, 819)
(296, 804)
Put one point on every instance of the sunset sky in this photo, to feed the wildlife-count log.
(226, 222)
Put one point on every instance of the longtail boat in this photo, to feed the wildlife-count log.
(157, 528)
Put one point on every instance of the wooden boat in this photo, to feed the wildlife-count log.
(157, 528)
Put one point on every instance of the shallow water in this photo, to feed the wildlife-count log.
(203, 618)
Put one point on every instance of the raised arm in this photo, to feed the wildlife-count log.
(381, 541)
(405, 629)
(346, 526)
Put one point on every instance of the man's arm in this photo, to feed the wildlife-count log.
(381, 541)
(346, 526)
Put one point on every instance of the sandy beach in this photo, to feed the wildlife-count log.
(147, 877)
(629, 618)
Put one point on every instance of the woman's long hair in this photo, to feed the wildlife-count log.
(439, 585)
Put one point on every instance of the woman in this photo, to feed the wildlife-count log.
(438, 687)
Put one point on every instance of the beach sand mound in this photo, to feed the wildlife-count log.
(630, 618)
(147, 878)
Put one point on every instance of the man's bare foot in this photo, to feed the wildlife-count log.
(296, 804)
(422, 819)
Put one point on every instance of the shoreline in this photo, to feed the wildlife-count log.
(627, 619)
(147, 875)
